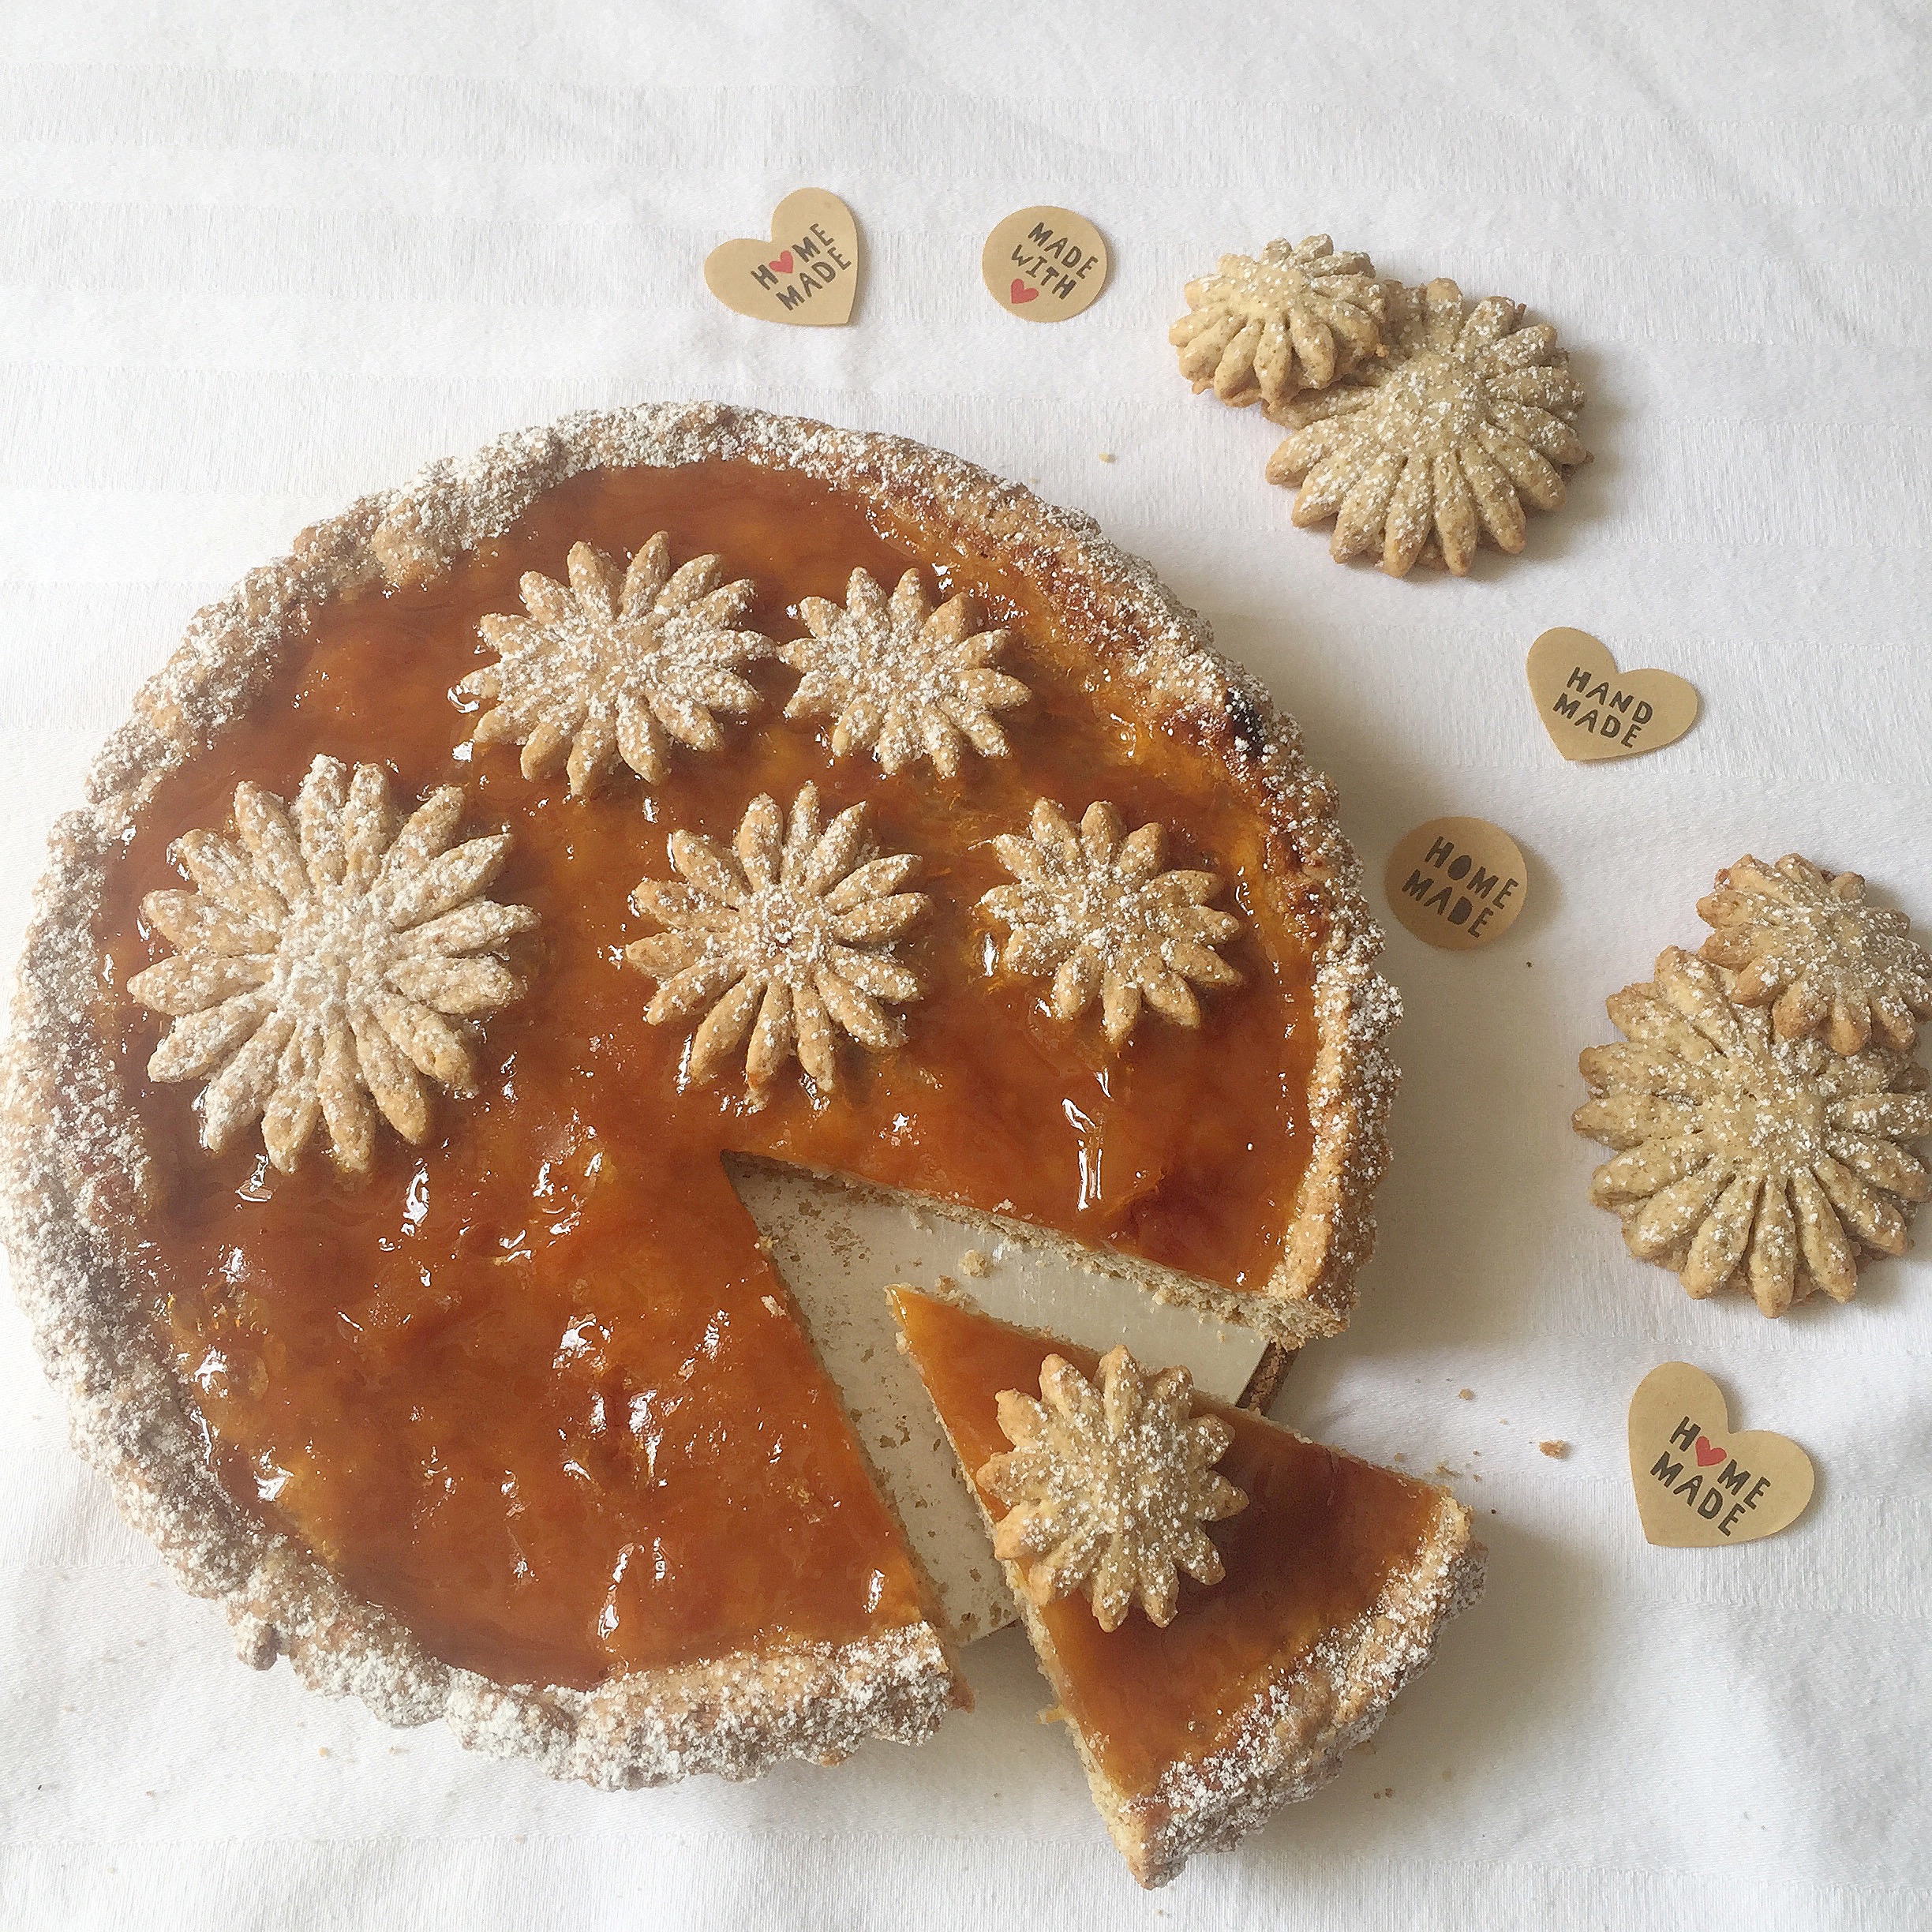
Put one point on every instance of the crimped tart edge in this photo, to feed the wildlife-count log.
(73, 1164)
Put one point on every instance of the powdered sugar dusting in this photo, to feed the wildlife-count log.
(1094, 909)
(330, 957)
(788, 937)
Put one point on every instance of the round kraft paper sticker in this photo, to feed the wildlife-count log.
(1458, 883)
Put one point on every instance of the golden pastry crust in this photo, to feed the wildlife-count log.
(1304, 1720)
(76, 1163)
(1747, 1161)
(1435, 449)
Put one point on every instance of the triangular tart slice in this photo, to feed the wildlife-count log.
(1337, 1577)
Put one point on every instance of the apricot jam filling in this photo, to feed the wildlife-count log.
(532, 1385)
(1320, 1537)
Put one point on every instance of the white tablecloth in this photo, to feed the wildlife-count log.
(254, 260)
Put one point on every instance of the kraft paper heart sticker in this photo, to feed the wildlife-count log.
(1457, 882)
(806, 274)
(1045, 264)
(1700, 1483)
(1593, 710)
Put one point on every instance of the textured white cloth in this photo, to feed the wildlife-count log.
(258, 259)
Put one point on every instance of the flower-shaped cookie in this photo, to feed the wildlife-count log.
(332, 954)
(900, 677)
(616, 663)
(1747, 1160)
(1108, 1488)
(785, 937)
(1804, 942)
(1437, 446)
(1094, 909)
(1260, 329)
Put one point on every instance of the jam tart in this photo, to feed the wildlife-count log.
(475, 878)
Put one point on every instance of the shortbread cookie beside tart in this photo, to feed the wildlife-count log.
(1436, 447)
(1808, 944)
(1262, 328)
(1745, 1159)
(661, 784)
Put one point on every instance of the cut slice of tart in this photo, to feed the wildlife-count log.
(1320, 1589)
(666, 785)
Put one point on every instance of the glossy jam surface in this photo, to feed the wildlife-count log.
(532, 1384)
(1321, 1535)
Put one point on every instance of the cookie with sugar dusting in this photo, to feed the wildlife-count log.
(1435, 448)
(1744, 1159)
(1261, 328)
(330, 960)
(1108, 1484)
(1806, 943)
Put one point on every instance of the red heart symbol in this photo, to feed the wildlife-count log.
(782, 264)
(1706, 1455)
(1020, 293)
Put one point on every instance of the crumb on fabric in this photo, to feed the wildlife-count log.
(1466, 1395)
(974, 1265)
(1556, 1446)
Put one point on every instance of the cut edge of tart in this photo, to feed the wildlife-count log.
(77, 1165)
(1280, 1732)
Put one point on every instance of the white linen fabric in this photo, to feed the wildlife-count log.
(254, 261)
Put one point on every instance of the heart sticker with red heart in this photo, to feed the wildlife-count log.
(1700, 1483)
(1045, 264)
(812, 278)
